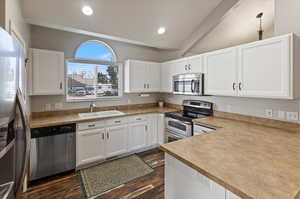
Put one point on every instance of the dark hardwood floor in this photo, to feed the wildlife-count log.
(67, 186)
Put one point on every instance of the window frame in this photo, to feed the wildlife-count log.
(98, 62)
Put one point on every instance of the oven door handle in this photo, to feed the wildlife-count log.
(174, 135)
(179, 121)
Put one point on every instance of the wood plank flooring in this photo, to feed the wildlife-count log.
(67, 186)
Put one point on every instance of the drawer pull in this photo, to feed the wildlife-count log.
(138, 118)
(91, 125)
(118, 121)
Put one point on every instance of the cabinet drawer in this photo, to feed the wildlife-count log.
(137, 118)
(117, 121)
(91, 125)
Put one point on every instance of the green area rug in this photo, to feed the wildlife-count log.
(109, 175)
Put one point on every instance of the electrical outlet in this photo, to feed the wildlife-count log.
(269, 113)
(58, 106)
(292, 116)
(47, 107)
(281, 115)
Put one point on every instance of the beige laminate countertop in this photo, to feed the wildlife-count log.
(252, 161)
(74, 118)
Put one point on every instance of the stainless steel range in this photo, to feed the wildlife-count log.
(179, 125)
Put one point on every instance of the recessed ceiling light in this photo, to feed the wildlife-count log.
(161, 30)
(87, 10)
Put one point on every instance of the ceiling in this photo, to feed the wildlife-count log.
(239, 26)
(134, 21)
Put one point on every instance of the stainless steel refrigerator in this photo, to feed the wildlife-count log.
(14, 131)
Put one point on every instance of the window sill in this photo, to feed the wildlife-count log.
(116, 98)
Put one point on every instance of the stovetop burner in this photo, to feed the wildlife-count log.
(192, 109)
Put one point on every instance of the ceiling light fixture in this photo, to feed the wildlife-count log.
(161, 30)
(87, 10)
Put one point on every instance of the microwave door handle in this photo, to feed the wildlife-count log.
(193, 85)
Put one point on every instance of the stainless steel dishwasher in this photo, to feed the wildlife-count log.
(52, 150)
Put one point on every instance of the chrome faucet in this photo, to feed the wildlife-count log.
(92, 106)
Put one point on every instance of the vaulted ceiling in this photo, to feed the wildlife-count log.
(137, 21)
(134, 20)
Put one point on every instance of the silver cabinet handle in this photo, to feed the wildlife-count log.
(146, 128)
(148, 86)
(240, 86)
(91, 125)
(107, 135)
(189, 66)
(118, 121)
(138, 119)
(233, 86)
(102, 136)
(60, 85)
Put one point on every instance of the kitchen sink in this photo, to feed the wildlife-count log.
(101, 114)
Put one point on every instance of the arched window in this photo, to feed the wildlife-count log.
(93, 72)
(95, 50)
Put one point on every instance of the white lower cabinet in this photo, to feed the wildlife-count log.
(90, 146)
(181, 181)
(116, 140)
(160, 128)
(137, 135)
(107, 138)
(230, 195)
(152, 130)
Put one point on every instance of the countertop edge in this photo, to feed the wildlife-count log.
(207, 174)
(82, 120)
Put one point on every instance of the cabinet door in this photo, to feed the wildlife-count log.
(116, 140)
(195, 64)
(90, 146)
(265, 68)
(161, 128)
(221, 72)
(166, 78)
(180, 67)
(230, 195)
(135, 75)
(152, 130)
(137, 137)
(48, 72)
(153, 77)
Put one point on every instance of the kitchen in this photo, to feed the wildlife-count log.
(99, 103)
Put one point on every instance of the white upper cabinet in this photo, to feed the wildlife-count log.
(195, 64)
(262, 69)
(188, 65)
(167, 73)
(47, 71)
(265, 68)
(221, 72)
(141, 76)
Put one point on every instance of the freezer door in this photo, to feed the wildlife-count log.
(9, 60)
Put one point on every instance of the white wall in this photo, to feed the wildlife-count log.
(287, 15)
(46, 38)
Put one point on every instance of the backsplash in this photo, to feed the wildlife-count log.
(246, 106)
(51, 103)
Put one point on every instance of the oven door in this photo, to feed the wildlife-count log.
(179, 127)
(172, 137)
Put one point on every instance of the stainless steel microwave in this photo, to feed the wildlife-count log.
(188, 84)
